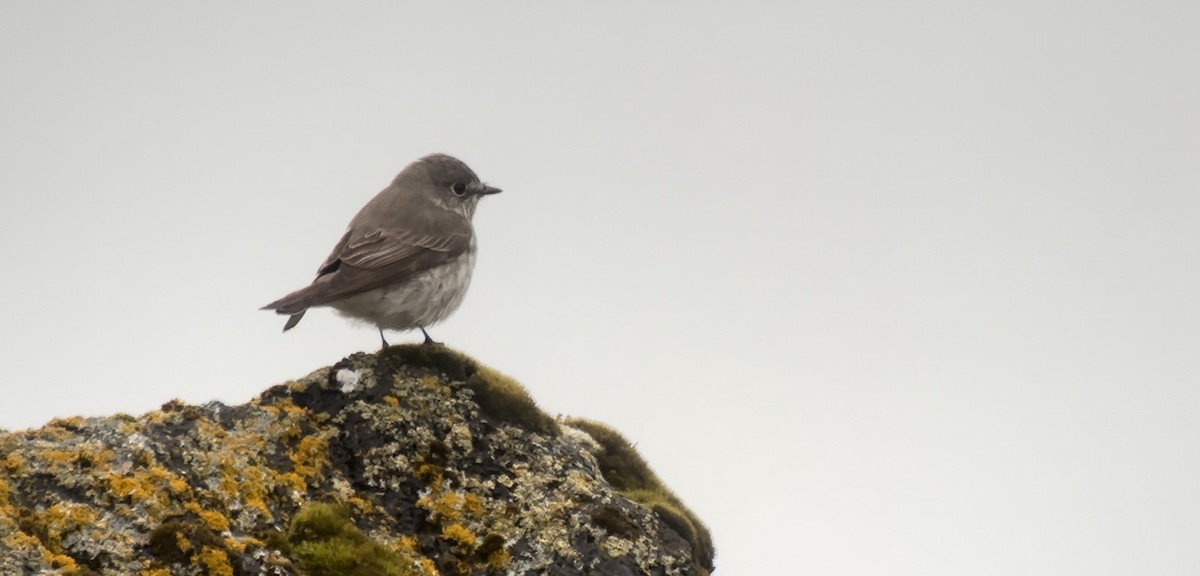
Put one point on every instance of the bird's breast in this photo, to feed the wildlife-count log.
(423, 300)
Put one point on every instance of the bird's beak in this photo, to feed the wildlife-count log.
(489, 190)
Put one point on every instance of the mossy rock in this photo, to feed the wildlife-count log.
(499, 397)
(186, 541)
(629, 473)
(323, 541)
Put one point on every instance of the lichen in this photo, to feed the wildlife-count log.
(214, 561)
(497, 395)
(431, 464)
(629, 473)
(181, 541)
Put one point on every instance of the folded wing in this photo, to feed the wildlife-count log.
(365, 261)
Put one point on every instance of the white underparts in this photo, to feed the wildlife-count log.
(423, 300)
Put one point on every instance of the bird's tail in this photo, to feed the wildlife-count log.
(294, 305)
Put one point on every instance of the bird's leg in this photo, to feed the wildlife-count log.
(382, 339)
(428, 340)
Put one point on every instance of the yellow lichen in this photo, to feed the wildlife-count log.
(431, 381)
(14, 463)
(499, 559)
(452, 507)
(473, 505)
(215, 561)
(460, 535)
(234, 545)
(177, 486)
(63, 518)
(360, 504)
(311, 456)
(293, 481)
(128, 427)
(64, 563)
(59, 457)
(625, 470)
(430, 474)
(215, 521)
(18, 540)
(243, 485)
(290, 417)
(428, 568)
(127, 488)
(70, 423)
(258, 505)
(181, 540)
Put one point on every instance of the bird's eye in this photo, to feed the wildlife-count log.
(458, 189)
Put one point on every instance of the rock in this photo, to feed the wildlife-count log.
(416, 460)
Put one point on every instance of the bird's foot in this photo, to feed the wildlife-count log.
(428, 340)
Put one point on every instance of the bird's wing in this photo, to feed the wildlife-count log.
(365, 261)
(384, 257)
(381, 249)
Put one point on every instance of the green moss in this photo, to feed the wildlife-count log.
(454, 364)
(498, 396)
(628, 472)
(503, 399)
(322, 541)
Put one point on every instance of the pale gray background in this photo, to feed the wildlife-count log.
(878, 288)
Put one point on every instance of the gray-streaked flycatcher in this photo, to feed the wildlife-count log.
(405, 260)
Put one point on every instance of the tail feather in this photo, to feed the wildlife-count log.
(294, 305)
(293, 320)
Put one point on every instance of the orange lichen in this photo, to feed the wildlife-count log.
(499, 559)
(451, 507)
(64, 518)
(215, 561)
(17, 540)
(127, 488)
(290, 417)
(428, 568)
(177, 486)
(166, 478)
(60, 457)
(14, 463)
(311, 456)
(235, 545)
(473, 505)
(215, 521)
(461, 536)
(181, 540)
(64, 563)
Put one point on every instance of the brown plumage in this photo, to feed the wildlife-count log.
(406, 257)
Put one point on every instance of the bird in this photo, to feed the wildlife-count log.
(406, 258)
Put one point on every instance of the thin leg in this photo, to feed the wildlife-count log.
(428, 340)
(382, 339)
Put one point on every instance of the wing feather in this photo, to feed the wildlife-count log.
(379, 258)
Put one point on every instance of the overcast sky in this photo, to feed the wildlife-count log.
(877, 287)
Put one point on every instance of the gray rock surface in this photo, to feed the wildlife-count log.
(415, 460)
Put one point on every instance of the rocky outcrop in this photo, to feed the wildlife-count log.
(415, 460)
